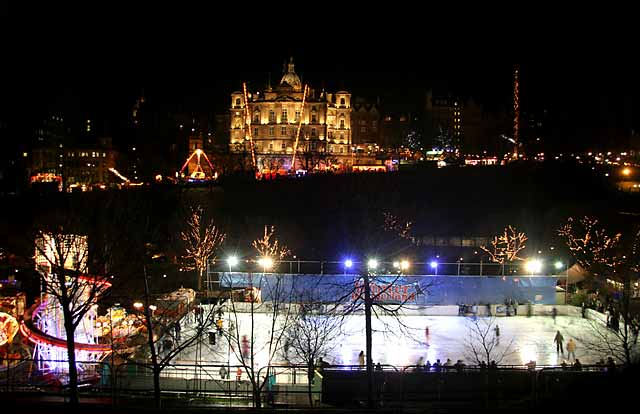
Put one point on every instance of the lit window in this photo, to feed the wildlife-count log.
(297, 116)
(283, 131)
(272, 131)
(284, 116)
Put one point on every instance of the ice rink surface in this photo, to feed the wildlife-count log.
(532, 339)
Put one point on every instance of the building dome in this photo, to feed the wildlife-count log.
(291, 78)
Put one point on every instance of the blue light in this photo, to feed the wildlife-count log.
(434, 264)
(348, 263)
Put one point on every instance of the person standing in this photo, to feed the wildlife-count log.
(426, 334)
(497, 329)
(361, 359)
(178, 329)
(559, 339)
(571, 349)
(554, 313)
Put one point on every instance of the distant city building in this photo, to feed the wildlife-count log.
(397, 129)
(89, 166)
(444, 122)
(365, 124)
(57, 159)
(274, 115)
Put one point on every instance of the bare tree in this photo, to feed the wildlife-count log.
(613, 263)
(162, 318)
(506, 247)
(384, 296)
(61, 259)
(312, 333)
(278, 311)
(201, 239)
(402, 228)
(483, 341)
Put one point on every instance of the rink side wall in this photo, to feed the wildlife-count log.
(410, 289)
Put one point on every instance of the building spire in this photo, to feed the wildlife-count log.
(290, 67)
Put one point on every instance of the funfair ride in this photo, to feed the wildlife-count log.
(43, 323)
(198, 175)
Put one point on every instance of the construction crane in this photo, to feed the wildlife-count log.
(516, 111)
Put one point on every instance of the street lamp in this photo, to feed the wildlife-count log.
(434, 266)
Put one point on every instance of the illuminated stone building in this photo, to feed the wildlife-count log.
(274, 115)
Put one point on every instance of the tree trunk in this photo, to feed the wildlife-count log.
(71, 355)
(369, 338)
(310, 376)
(152, 348)
(156, 387)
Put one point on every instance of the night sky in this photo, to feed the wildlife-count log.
(97, 65)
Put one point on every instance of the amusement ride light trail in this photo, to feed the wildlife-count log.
(248, 121)
(295, 145)
(43, 325)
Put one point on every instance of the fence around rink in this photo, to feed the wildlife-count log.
(334, 385)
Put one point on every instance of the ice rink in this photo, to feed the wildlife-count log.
(532, 339)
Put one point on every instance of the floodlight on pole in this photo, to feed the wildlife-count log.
(533, 266)
(372, 264)
(348, 263)
(232, 261)
(404, 264)
(266, 263)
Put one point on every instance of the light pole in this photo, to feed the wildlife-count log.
(559, 265)
(434, 266)
(231, 261)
